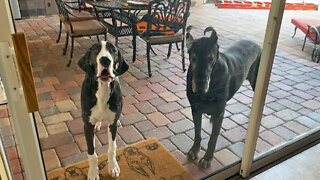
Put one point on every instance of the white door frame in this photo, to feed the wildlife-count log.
(23, 122)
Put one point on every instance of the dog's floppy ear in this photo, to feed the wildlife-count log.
(84, 62)
(189, 38)
(123, 65)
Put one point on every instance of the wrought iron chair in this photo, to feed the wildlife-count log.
(119, 24)
(79, 12)
(165, 23)
(119, 21)
(89, 27)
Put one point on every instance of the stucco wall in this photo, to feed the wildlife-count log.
(32, 8)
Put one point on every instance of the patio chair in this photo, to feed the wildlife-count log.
(79, 11)
(88, 27)
(165, 23)
(118, 23)
(311, 28)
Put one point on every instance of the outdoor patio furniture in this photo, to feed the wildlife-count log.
(165, 23)
(316, 55)
(78, 5)
(120, 18)
(79, 12)
(87, 27)
(311, 28)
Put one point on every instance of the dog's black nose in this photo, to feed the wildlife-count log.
(104, 61)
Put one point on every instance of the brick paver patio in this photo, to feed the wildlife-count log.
(157, 106)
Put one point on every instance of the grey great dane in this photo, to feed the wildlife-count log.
(213, 78)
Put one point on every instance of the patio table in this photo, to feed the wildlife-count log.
(123, 11)
(120, 4)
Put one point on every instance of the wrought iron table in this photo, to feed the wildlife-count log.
(119, 11)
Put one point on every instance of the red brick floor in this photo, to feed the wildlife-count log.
(157, 107)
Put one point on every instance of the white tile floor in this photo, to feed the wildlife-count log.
(304, 166)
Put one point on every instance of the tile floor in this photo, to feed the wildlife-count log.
(157, 107)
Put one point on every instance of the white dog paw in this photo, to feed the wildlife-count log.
(113, 168)
(93, 173)
(119, 123)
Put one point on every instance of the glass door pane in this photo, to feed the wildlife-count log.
(291, 116)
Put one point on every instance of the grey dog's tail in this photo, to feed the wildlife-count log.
(253, 72)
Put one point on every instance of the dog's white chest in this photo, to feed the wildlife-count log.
(101, 111)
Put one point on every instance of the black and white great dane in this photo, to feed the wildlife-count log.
(101, 100)
(213, 78)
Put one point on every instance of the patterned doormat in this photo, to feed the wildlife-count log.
(145, 160)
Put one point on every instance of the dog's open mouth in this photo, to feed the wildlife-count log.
(105, 76)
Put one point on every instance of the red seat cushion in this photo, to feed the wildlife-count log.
(302, 24)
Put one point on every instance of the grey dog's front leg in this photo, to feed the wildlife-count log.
(205, 162)
(194, 151)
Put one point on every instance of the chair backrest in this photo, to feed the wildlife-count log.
(78, 5)
(63, 12)
(167, 16)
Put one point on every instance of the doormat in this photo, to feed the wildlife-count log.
(145, 160)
